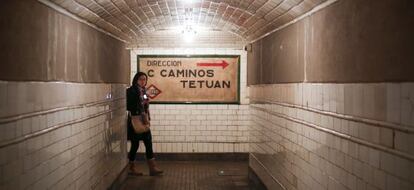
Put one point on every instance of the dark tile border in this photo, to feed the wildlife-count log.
(197, 156)
(254, 181)
(120, 180)
(264, 174)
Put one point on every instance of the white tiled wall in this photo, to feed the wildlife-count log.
(203, 39)
(52, 137)
(199, 127)
(334, 136)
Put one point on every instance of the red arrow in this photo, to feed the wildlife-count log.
(223, 64)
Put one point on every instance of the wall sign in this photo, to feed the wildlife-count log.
(191, 79)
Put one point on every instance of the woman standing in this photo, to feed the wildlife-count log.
(138, 103)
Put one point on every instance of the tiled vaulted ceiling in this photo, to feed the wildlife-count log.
(143, 22)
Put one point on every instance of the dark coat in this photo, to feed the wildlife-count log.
(136, 105)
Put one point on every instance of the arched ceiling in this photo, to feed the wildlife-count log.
(141, 22)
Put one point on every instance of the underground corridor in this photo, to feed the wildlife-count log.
(207, 94)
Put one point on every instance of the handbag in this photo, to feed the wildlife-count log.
(140, 123)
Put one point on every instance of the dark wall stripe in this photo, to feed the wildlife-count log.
(349, 41)
(40, 44)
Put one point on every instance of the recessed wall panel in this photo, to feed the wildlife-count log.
(41, 44)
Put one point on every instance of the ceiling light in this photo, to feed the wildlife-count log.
(188, 34)
(189, 38)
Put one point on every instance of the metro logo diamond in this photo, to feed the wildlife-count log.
(153, 91)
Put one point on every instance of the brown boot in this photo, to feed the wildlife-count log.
(133, 169)
(153, 169)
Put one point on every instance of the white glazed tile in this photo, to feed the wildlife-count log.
(368, 101)
(325, 97)
(12, 170)
(403, 168)
(12, 99)
(27, 126)
(31, 99)
(19, 128)
(386, 137)
(36, 95)
(8, 131)
(348, 98)
(22, 98)
(357, 100)
(42, 122)
(388, 162)
(393, 102)
(407, 111)
(333, 97)
(380, 103)
(403, 141)
(392, 182)
(319, 96)
(46, 100)
(340, 98)
(364, 132)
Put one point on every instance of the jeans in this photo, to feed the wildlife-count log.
(147, 138)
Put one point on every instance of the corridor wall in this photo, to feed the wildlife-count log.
(62, 99)
(200, 128)
(332, 99)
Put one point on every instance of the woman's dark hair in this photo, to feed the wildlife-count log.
(136, 77)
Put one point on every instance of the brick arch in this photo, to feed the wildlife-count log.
(131, 19)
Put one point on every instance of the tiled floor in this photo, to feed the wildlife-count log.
(192, 175)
